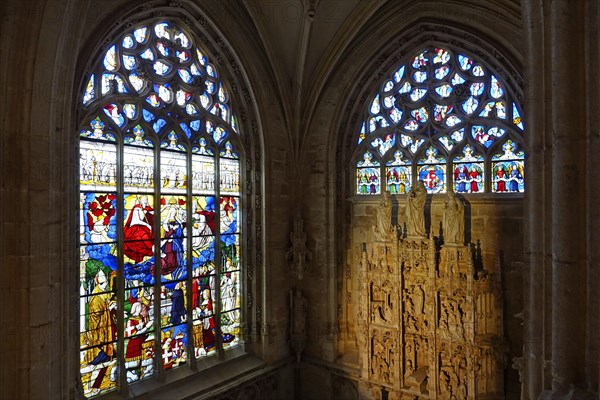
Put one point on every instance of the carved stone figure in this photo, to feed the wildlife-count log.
(415, 207)
(456, 360)
(298, 255)
(454, 220)
(383, 230)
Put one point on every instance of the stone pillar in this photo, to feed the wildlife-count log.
(592, 51)
(568, 196)
(535, 118)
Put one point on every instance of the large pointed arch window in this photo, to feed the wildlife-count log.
(160, 210)
(445, 118)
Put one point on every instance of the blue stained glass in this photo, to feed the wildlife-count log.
(468, 178)
(219, 134)
(395, 115)
(418, 94)
(129, 62)
(444, 90)
(465, 62)
(210, 70)
(496, 88)
(98, 218)
(420, 76)
(441, 56)
(183, 56)
(434, 178)
(110, 59)
(136, 82)
(140, 34)
(112, 110)
(158, 125)
(368, 181)
(470, 105)
(384, 144)
(399, 74)
(163, 49)
(186, 129)
(161, 68)
(517, 117)
(398, 179)
(148, 55)
(90, 91)
(195, 125)
(184, 75)
(421, 60)
(442, 72)
(128, 42)
(203, 60)
(153, 100)
(405, 88)
(162, 30)
(375, 107)
(148, 116)
(477, 88)
(389, 85)
(457, 80)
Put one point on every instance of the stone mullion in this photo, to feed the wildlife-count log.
(568, 194)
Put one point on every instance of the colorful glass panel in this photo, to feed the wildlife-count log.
(508, 170)
(437, 97)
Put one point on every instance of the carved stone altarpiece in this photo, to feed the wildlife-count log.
(429, 325)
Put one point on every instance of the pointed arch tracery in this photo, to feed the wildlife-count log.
(160, 209)
(447, 114)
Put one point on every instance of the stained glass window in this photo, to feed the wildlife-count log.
(160, 210)
(508, 169)
(440, 117)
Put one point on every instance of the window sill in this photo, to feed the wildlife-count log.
(187, 384)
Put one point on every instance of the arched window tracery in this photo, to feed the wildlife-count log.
(160, 209)
(453, 121)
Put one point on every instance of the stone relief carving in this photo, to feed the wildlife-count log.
(298, 255)
(428, 322)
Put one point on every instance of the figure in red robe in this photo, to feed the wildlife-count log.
(474, 174)
(137, 232)
(500, 179)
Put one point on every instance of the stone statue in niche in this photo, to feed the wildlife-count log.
(299, 309)
(298, 255)
(454, 220)
(384, 231)
(415, 211)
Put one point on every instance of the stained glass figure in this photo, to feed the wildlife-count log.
(468, 171)
(97, 165)
(368, 177)
(508, 169)
(398, 174)
(384, 144)
(149, 94)
(440, 97)
(432, 171)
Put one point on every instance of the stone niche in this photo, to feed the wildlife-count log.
(429, 325)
